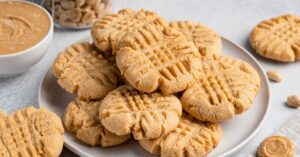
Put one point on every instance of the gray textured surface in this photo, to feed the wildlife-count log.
(233, 19)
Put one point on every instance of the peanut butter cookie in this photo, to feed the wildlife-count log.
(151, 58)
(31, 132)
(126, 110)
(205, 39)
(191, 138)
(107, 32)
(82, 119)
(82, 71)
(278, 38)
(2, 114)
(276, 146)
(226, 86)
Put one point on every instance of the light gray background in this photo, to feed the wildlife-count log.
(233, 19)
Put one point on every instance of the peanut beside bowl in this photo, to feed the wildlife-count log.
(16, 63)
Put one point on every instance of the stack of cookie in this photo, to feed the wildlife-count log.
(164, 84)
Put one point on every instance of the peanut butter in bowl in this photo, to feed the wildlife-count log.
(26, 32)
(22, 25)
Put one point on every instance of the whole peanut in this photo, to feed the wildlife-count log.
(88, 17)
(80, 3)
(97, 7)
(293, 101)
(57, 10)
(73, 15)
(91, 2)
(104, 10)
(67, 4)
(274, 76)
(86, 8)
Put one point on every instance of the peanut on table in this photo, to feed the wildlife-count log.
(274, 76)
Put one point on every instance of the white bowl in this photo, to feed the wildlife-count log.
(20, 62)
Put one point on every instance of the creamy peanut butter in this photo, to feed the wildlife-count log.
(22, 25)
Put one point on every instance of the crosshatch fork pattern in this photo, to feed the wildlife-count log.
(226, 87)
(107, 31)
(287, 28)
(206, 40)
(190, 135)
(31, 132)
(164, 56)
(144, 115)
(82, 53)
(81, 70)
(278, 38)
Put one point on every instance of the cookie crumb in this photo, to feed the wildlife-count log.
(293, 101)
(274, 76)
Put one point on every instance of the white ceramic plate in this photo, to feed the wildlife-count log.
(236, 132)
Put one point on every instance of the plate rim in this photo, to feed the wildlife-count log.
(266, 113)
(229, 152)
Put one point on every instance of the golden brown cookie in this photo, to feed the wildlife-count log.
(82, 119)
(151, 58)
(226, 86)
(276, 146)
(278, 38)
(82, 71)
(191, 138)
(107, 32)
(2, 114)
(205, 39)
(126, 110)
(31, 132)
